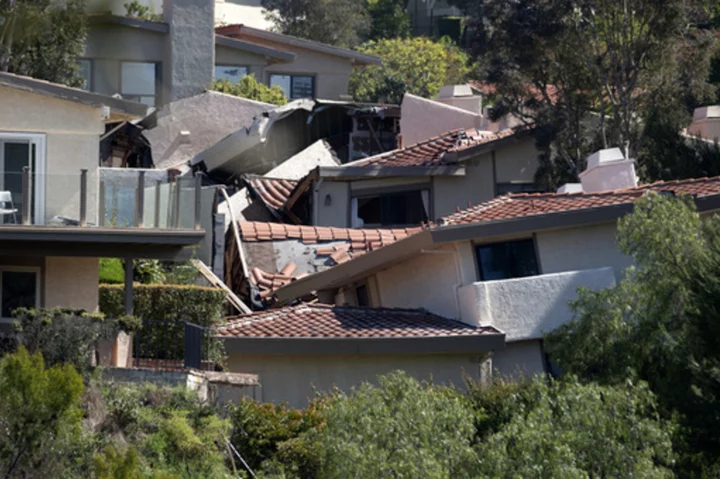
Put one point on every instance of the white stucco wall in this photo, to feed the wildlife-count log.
(72, 143)
(338, 211)
(414, 124)
(71, 282)
(517, 162)
(581, 248)
(292, 378)
(452, 192)
(528, 308)
(428, 281)
(519, 359)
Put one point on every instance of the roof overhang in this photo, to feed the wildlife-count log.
(352, 172)
(127, 109)
(477, 150)
(99, 242)
(108, 18)
(365, 346)
(271, 53)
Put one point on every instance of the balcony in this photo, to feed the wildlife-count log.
(527, 308)
(145, 210)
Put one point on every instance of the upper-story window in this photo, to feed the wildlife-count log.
(295, 86)
(231, 73)
(391, 209)
(85, 72)
(138, 82)
(509, 259)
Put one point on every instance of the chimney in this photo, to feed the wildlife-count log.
(608, 170)
(190, 48)
(706, 122)
(460, 96)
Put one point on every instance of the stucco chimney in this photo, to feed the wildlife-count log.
(706, 122)
(190, 48)
(608, 170)
(460, 96)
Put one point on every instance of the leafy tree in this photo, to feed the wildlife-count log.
(343, 23)
(390, 19)
(401, 428)
(136, 9)
(660, 323)
(118, 465)
(249, 87)
(566, 430)
(412, 65)
(42, 38)
(40, 415)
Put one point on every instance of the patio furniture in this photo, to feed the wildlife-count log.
(5, 200)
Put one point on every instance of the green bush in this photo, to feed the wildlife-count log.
(111, 271)
(248, 87)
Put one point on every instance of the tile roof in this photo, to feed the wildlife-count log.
(274, 192)
(431, 152)
(325, 321)
(529, 204)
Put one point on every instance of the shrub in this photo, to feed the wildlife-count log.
(249, 87)
(111, 271)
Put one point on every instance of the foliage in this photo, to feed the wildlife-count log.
(42, 39)
(117, 465)
(412, 65)
(249, 87)
(554, 62)
(659, 324)
(137, 10)
(111, 271)
(389, 19)
(148, 271)
(65, 335)
(401, 428)
(40, 415)
(567, 430)
(272, 437)
(342, 23)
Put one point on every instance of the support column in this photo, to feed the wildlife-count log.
(128, 286)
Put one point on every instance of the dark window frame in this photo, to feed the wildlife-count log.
(292, 82)
(225, 65)
(366, 295)
(35, 270)
(529, 243)
(391, 192)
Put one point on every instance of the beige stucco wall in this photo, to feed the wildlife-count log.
(72, 143)
(231, 56)
(416, 111)
(517, 162)
(335, 214)
(452, 192)
(581, 248)
(71, 282)
(292, 378)
(521, 358)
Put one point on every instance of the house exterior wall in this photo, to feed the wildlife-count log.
(230, 56)
(517, 162)
(452, 192)
(581, 248)
(294, 378)
(71, 137)
(519, 359)
(338, 211)
(71, 282)
(416, 111)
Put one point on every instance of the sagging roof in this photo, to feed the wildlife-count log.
(273, 192)
(63, 92)
(237, 44)
(529, 204)
(324, 329)
(246, 31)
(513, 214)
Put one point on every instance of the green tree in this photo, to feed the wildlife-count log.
(660, 323)
(118, 465)
(564, 429)
(400, 428)
(249, 87)
(42, 38)
(410, 65)
(40, 415)
(389, 19)
(343, 23)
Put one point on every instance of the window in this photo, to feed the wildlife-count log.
(19, 151)
(391, 209)
(85, 73)
(363, 298)
(138, 82)
(510, 259)
(295, 86)
(230, 73)
(505, 188)
(19, 288)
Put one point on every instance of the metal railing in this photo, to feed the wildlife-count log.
(175, 346)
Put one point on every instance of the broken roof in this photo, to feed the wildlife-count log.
(128, 108)
(325, 329)
(273, 192)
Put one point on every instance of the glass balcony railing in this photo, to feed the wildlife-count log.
(105, 197)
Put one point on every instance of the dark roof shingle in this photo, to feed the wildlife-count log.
(325, 321)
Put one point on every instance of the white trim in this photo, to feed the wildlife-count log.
(39, 140)
(23, 269)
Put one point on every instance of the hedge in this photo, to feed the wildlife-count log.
(174, 304)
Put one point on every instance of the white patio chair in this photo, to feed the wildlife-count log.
(5, 200)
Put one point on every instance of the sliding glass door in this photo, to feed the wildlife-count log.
(18, 151)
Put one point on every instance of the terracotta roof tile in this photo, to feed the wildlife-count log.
(324, 321)
(253, 231)
(431, 152)
(273, 192)
(529, 204)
